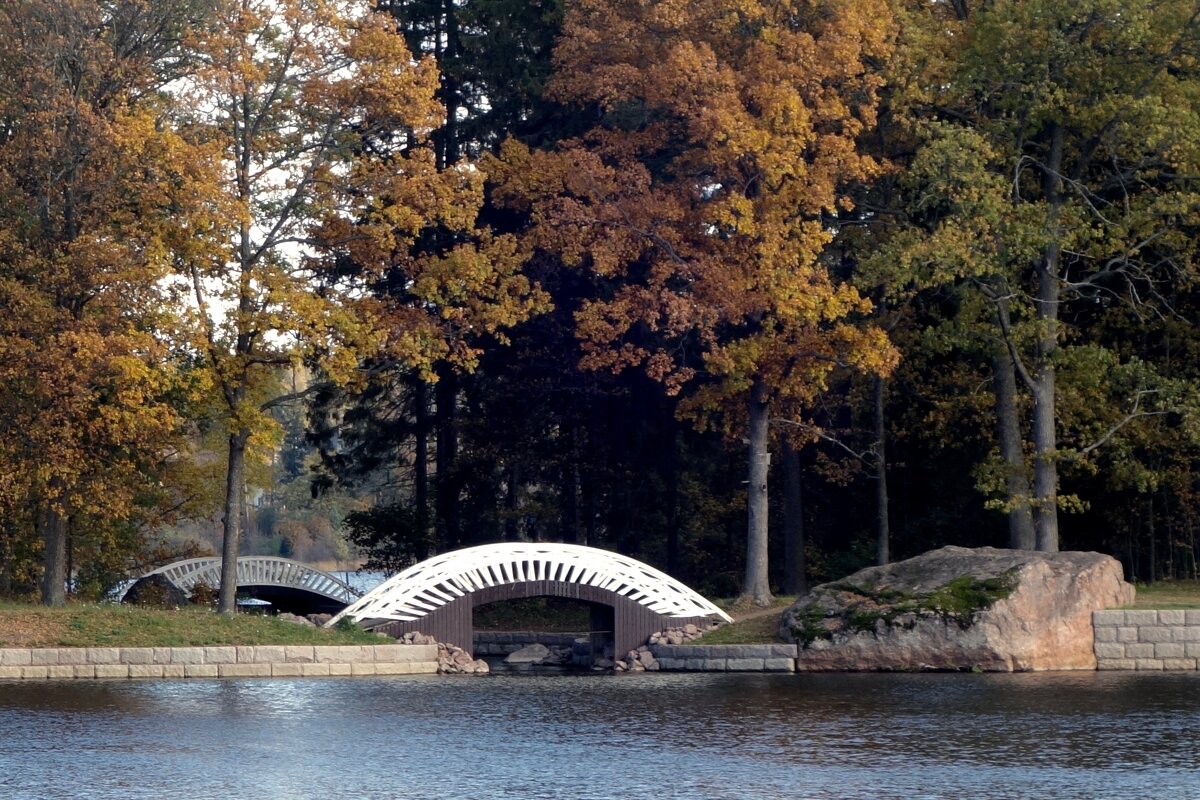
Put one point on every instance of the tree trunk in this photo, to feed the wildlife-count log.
(54, 577)
(235, 501)
(1045, 465)
(421, 455)
(1021, 535)
(511, 503)
(446, 391)
(6, 558)
(670, 465)
(795, 577)
(757, 587)
(882, 528)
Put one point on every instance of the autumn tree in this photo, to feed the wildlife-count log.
(89, 180)
(320, 118)
(702, 198)
(1054, 175)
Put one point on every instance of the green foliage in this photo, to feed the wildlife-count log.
(390, 535)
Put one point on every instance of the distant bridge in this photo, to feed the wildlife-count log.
(288, 585)
(629, 599)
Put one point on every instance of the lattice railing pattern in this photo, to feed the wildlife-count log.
(424, 587)
(260, 571)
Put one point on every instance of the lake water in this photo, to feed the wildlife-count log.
(1066, 735)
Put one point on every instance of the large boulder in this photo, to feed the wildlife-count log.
(959, 608)
(155, 590)
(535, 653)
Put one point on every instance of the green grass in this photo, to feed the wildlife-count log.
(756, 630)
(1167, 595)
(752, 624)
(544, 614)
(110, 625)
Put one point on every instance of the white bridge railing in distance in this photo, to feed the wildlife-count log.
(259, 571)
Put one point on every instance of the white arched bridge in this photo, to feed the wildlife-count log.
(281, 581)
(628, 598)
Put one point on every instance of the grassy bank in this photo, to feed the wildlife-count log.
(1167, 595)
(109, 625)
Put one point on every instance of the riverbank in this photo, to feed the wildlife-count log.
(114, 625)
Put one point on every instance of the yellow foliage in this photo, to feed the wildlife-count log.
(729, 132)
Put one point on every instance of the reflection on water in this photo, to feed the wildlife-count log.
(1085, 735)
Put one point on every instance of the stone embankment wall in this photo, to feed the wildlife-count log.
(291, 661)
(725, 657)
(1147, 640)
(501, 643)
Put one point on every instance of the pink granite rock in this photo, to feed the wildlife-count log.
(959, 609)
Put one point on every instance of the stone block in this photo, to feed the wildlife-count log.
(1110, 650)
(84, 671)
(187, 656)
(111, 670)
(264, 654)
(405, 653)
(744, 665)
(72, 655)
(1139, 651)
(138, 655)
(363, 669)
(1191, 617)
(693, 664)
(174, 670)
(671, 664)
(1154, 633)
(1168, 650)
(1179, 664)
(244, 670)
(779, 665)
(61, 672)
(1105, 633)
(298, 653)
(1116, 664)
(715, 665)
(340, 669)
(146, 670)
(1149, 664)
(43, 656)
(162, 655)
(286, 670)
(1173, 617)
(10, 673)
(1186, 633)
(32, 672)
(1108, 618)
(1140, 618)
(393, 668)
(200, 671)
(1191, 649)
(104, 655)
(315, 670)
(220, 655)
(15, 657)
(1127, 634)
(406, 668)
(344, 654)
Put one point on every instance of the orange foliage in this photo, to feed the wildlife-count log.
(727, 137)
